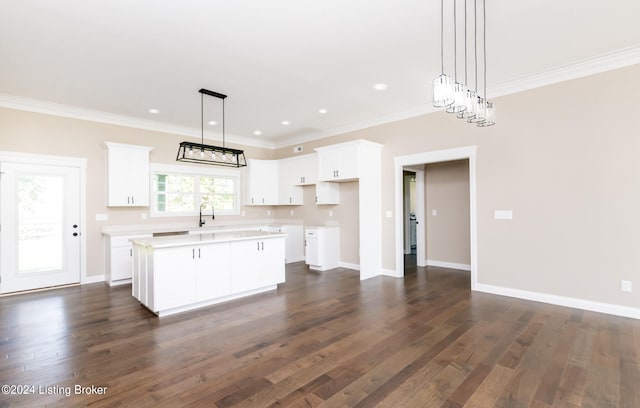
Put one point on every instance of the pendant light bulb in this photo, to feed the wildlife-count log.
(442, 85)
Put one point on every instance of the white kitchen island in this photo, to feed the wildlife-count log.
(172, 274)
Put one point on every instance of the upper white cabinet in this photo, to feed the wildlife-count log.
(261, 182)
(127, 175)
(339, 162)
(301, 170)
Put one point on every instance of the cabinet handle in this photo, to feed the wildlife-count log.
(258, 245)
(289, 200)
(263, 245)
(128, 198)
(131, 252)
(193, 253)
(132, 202)
(198, 253)
(316, 199)
(251, 200)
(337, 173)
(262, 200)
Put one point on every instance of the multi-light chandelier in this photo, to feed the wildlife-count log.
(193, 152)
(457, 97)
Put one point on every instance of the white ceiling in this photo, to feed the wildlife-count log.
(279, 59)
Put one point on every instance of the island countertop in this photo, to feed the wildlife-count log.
(204, 238)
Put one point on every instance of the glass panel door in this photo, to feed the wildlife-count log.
(40, 235)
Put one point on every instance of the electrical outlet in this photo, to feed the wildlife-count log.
(434, 212)
(268, 212)
(625, 286)
(291, 213)
(143, 216)
(330, 213)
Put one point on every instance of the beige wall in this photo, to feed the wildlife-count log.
(563, 158)
(28, 132)
(447, 192)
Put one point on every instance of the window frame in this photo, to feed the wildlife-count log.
(196, 172)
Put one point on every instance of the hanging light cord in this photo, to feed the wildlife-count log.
(475, 40)
(466, 81)
(222, 122)
(202, 118)
(442, 35)
(455, 43)
(484, 47)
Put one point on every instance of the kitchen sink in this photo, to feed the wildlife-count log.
(170, 233)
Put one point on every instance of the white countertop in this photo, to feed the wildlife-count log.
(204, 238)
(118, 230)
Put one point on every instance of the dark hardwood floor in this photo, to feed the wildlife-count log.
(320, 340)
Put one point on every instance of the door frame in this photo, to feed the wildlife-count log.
(75, 162)
(460, 153)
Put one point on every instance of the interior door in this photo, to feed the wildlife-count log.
(40, 226)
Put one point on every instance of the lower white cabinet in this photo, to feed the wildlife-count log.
(322, 247)
(256, 263)
(171, 279)
(119, 259)
(185, 275)
(293, 243)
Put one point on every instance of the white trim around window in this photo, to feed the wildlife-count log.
(197, 173)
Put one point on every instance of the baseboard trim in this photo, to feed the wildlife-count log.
(355, 267)
(450, 265)
(392, 273)
(92, 279)
(600, 307)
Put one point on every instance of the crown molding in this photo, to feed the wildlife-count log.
(74, 112)
(601, 63)
(590, 66)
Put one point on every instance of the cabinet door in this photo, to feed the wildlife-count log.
(272, 257)
(348, 158)
(327, 193)
(328, 163)
(139, 177)
(127, 175)
(312, 251)
(118, 182)
(256, 264)
(212, 271)
(174, 277)
(270, 182)
(244, 265)
(121, 262)
(261, 178)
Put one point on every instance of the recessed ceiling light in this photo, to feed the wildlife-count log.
(257, 132)
(380, 86)
(322, 111)
(154, 111)
(212, 123)
(285, 122)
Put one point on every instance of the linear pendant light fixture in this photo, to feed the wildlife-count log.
(207, 154)
(454, 96)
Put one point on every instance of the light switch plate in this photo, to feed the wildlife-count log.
(434, 212)
(388, 214)
(503, 215)
(102, 217)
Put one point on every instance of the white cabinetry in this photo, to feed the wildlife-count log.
(294, 241)
(171, 276)
(256, 263)
(127, 175)
(302, 170)
(261, 182)
(339, 162)
(119, 259)
(327, 193)
(322, 247)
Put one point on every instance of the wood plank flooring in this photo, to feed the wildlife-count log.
(321, 340)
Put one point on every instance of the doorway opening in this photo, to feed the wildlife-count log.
(416, 163)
